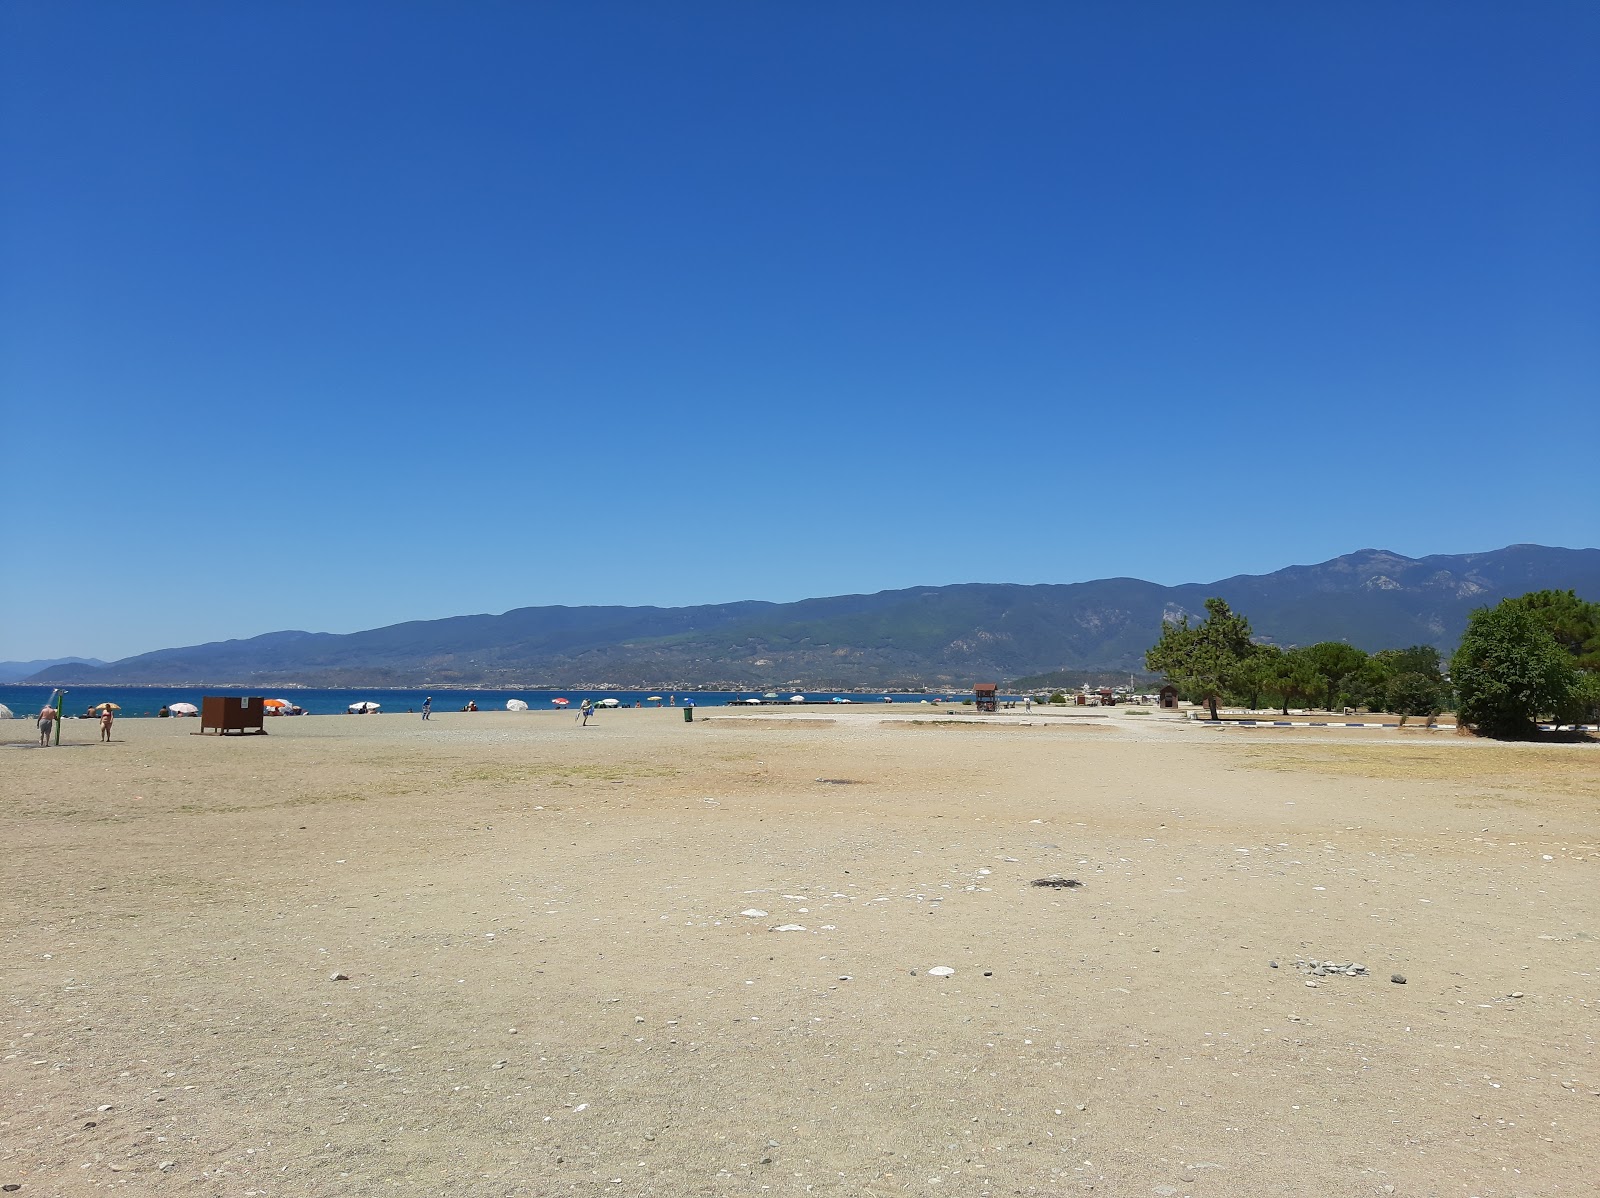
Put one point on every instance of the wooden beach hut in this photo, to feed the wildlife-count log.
(1169, 697)
(229, 713)
(985, 696)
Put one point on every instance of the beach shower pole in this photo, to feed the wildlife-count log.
(61, 710)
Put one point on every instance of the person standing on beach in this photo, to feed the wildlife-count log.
(105, 724)
(427, 707)
(47, 724)
(585, 709)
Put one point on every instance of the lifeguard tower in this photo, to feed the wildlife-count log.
(986, 696)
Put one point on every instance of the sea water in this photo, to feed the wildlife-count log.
(136, 701)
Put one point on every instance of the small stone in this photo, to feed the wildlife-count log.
(941, 971)
(338, 977)
(1516, 994)
(1311, 985)
(90, 1124)
(753, 913)
(988, 973)
(1399, 979)
(766, 1160)
(1272, 964)
(165, 1165)
(106, 1107)
(790, 927)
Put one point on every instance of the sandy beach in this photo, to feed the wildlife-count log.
(502, 954)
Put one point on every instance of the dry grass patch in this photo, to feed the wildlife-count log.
(1570, 769)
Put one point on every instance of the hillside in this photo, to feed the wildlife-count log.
(933, 636)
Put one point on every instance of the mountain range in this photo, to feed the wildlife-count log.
(18, 671)
(920, 636)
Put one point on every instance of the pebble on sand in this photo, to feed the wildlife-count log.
(941, 971)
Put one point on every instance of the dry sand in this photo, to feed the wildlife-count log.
(552, 990)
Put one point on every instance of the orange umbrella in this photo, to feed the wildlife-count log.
(276, 703)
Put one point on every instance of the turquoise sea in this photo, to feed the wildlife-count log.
(136, 701)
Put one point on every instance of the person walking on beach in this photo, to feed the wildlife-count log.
(427, 707)
(47, 724)
(585, 709)
(105, 724)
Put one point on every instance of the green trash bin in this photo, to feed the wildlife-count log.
(688, 715)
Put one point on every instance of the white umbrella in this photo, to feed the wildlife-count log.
(5, 712)
(183, 709)
(609, 703)
(770, 695)
(652, 698)
(757, 702)
(516, 705)
(797, 698)
(363, 708)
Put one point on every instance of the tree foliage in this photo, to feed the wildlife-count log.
(1296, 679)
(1412, 694)
(1336, 663)
(1256, 675)
(1510, 670)
(1203, 660)
(1573, 622)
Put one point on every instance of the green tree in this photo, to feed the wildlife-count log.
(1294, 677)
(1583, 705)
(1334, 662)
(1509, 671)
(1255, 675)
(1574, 623)
(1203, 660)
(1370, 686)
(1412, 694)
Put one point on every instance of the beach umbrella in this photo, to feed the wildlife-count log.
(5, 713)
(797, 698)
(757, 702)
(183, 709)
(652, 699)
(561, 702)
(363, 708)
(609, 703)
(516, 705)
(103, 706)
(276, 704)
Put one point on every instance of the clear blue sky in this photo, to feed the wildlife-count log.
(331, 315)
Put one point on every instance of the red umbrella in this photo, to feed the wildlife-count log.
(560, 702)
